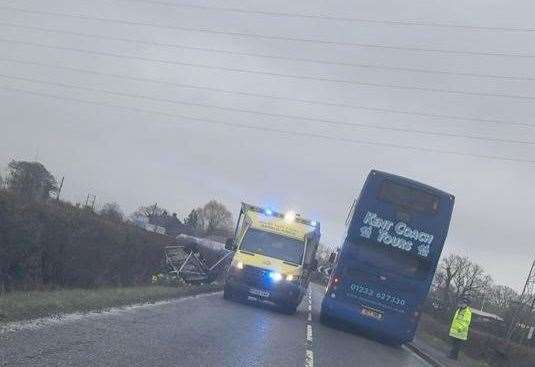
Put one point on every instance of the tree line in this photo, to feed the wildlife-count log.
(211, 220)
(31, 181)
(46, 242)
(458, 277)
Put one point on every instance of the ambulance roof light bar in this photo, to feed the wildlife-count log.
(289, 216)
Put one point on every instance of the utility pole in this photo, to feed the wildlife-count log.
(527, 292)
(93, 202)
(60, 187)
(528, 321)
(153, 214)
(90, 201)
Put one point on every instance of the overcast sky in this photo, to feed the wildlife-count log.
(135, 157)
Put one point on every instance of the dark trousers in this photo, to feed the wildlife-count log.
(456, 345)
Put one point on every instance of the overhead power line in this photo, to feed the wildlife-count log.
(394, 22)
(300, 134)
(271, 114)
(273, 97)
(273, 74)
(267, 56)
(268, 37)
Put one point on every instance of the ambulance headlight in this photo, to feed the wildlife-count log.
(290, 277)
(274, 276)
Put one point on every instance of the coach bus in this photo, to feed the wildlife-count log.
(395, 232)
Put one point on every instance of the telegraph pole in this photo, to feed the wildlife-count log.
(90, 201)
(60, 187)
(93, 202)
(527, 291)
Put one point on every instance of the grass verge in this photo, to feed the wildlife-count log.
(444, 347)
(18, 306)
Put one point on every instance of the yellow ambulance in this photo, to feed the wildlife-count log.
(275, 254)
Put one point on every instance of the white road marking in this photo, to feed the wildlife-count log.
(309, 353)
(309, 358)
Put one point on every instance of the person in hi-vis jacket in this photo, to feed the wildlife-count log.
(460, 325)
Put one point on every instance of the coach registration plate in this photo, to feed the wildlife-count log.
(371, 313)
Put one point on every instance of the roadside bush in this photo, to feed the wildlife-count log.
(481, 346)
(55, 244)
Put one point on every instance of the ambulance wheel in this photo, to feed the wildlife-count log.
(228, 294)
(325, 319)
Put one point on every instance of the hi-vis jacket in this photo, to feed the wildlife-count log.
(461, 323)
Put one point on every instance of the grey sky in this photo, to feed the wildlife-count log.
(136, 158)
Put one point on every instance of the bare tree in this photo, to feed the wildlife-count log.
(447, 271)
(459, 277)
(194, 219)
(216, 217)
(151, 210)
(471, 281)
(501, 298)
(30, 180)
(112, 211)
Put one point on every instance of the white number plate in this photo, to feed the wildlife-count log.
(371, 313)
(259, 292)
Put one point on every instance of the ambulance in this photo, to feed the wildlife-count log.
(275, 254)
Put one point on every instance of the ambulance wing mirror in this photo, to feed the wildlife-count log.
(229, 244)
(314, 265)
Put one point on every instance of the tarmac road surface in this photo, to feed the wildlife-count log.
(201, 330)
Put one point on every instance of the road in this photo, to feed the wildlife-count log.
(203, 330)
